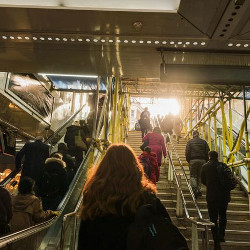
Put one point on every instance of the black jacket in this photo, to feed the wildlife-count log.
(35, 154)
(59, 184)
(109, 232)
(72, 131)
(197, 148)
(210, 178)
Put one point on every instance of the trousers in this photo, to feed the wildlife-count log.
(195, 167)
(218, 210)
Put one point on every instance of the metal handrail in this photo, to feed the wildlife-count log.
(13, 173)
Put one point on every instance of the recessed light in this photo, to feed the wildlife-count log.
(187, 43)
(111, 41)
(118, 41)
(103, 40)
(126, 41)
(230, 45)
(12, 37)
(172, 42)
(27, 38)
(95, 40)
(79, 39)
(246, 45)
(34, 38)
(87, 40)
(141, 41)
(148, 42)
(42, 38)
(203, 43)
(133, 41)
(195, 43)
(72, 39)
(156, 42)
(238, 45)
(49, 38)
(164, 42)
(179, 43)
(4, 37)
(57, 39)
(19, 37)
(65, 39)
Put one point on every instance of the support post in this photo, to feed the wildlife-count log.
(215, 132)
(247, 147)
(170, 169)
(96, 107)
(179, 202)
(195, 239)
(115, 103)
(190, 115)
(209, 133)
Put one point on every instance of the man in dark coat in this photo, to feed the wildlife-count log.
(35, 154)
(167, 125)
(5, 211)
(196, 155)
(144, 122)
(69, 139)
(217, 197)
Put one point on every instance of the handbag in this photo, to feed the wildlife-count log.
(80, 143)
(144, 145)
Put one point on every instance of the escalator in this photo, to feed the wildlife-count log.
(46, 235)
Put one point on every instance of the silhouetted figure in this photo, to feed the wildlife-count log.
(5, 211)
(167, 125)
(178, 125)
(144, 122)
(219, 181)
(34, 154)
(196, 155)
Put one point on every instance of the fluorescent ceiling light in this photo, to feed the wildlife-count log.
(83, 76)
(108, 5)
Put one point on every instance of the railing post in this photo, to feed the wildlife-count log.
(195, 238)
(170, 169)
(179, 202)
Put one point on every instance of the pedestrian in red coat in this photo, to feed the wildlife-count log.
(149, 161)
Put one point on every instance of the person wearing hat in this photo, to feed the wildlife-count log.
(196, 155)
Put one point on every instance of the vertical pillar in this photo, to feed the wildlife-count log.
(215, 132)
(209, 132)
(190, 115)
(115, 104)
(96, 107)
(247, 146)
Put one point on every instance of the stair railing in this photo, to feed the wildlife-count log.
(181, 201)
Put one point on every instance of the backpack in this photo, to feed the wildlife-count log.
(226, 177)
(137, 126)
(146, 165)
(48, 184)
(151, 231)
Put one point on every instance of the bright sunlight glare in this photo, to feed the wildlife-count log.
(162, 107)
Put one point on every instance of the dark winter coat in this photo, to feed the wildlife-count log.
(109, 232)
(56, 169)
(73, 131)
(5, 210)
(35, 154)
(210, 178)
(167, 124)
(197, 148)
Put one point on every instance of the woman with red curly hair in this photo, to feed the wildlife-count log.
(111, 196)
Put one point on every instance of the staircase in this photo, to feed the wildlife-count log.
(238, 228)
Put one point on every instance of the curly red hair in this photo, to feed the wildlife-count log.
(118, 179)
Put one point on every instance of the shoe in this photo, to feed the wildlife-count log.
(222, 239)
(199, 194)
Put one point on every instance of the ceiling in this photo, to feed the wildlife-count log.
(128, 43)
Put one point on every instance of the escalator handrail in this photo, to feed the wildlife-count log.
(64, 125)
(13, 173)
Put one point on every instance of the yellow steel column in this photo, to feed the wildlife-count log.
(209, 132)
(114, 116)
(203, 131)
(247, 147)
(190, 116)
(215, 132)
